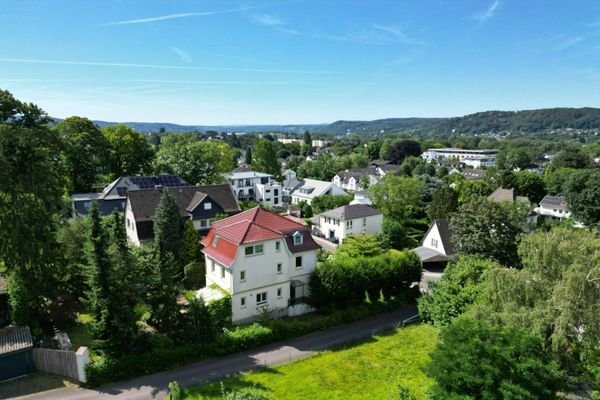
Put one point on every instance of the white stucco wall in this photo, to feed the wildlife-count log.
(342, 229)
(433, 240)
(261, 275)
(132, 236)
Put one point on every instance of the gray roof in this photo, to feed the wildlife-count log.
(14, 339)
(429, 255)
(357, 173)
(349, 212)
(473, 173)
(554, 202)
(145, 202)
(502, 194)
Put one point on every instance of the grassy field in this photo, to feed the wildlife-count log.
(371, 370)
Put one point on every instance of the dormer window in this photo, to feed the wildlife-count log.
(298, 238)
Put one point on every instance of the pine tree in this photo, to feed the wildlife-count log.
(99, 285)
(190, 246)
(248, 156)
(168, 228)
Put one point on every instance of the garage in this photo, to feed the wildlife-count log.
(16, 352)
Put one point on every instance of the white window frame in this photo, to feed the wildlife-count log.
(298, 239)
(263, 298)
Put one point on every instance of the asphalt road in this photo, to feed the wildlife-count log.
(155, 386)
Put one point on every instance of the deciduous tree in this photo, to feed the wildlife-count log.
(129, 153)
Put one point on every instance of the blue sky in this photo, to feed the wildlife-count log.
(298, 61)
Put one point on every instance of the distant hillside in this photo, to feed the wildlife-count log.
(527, 121)
(379, 125)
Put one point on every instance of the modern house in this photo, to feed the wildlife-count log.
(553, 208)
(113, 196)
(256, 186)
(436, 247)
(263, 260)
(307, 189)
(474, 158)
(201, 204)
(337, 224)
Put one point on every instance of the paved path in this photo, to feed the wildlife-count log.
(154, 386)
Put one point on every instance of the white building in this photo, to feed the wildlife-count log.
(355, 219)
(474, 158)
(361, 197)
(256, 186)
(307, 189)
(553, 208)
(437, 247)
(263, 260)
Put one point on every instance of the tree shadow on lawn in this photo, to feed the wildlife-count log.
(33, 383)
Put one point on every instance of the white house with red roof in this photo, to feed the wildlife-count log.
(263, 260)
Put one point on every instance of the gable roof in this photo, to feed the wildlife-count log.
(145, 202)
(254, 225)
(14, 339)
(357, 173)
(134, 182)
(443, 226)
(502, 194)
(349, 212)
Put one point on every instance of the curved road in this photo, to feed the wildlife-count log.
(155, 386)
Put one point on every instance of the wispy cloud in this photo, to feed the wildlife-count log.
(183, 55)
(565, 42)
(488, 13)
(376, 35)
(157, 66)
(182, 15)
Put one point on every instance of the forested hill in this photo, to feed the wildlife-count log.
(379, 125)
(527, 121)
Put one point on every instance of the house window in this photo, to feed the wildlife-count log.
(222, 272)
(298, 238)
(276, 200)
(364, 222)
(277, 245)
(208, 206)
(242, 302)
(203, 223)
(276, 192)
(261, 298)
(268, 190)
(279, 268)
(241, 183)
(242, 276)
(299, 262)
(434, 243)
(128, 223)
(248, 182)
(212, 266)
(279, 292)
(252, 250)
(349, 224)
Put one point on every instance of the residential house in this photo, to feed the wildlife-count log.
(201, 204)
(264, 260)
(436, 247)
(352, 179)
(256, 186)
(553, 208)
(337, 224)
(113, 196)
(473, 174)
(307, 189)
(499, 195)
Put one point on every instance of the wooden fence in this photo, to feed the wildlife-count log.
(56, 362)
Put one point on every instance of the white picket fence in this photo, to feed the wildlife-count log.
(65, 363)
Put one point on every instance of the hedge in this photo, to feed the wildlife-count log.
(166, 356)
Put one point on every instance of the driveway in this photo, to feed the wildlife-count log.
(155, 386)
(430, 275)
(325, 244)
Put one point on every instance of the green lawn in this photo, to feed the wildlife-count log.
(372, 370)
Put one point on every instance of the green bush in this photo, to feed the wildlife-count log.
(175, 392)
(343, 281)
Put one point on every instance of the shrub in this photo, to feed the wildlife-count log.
(344, 281)
(175, 391)
(194, 275)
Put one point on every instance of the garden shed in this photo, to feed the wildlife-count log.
(16, 352)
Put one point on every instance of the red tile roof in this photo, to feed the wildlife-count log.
(254, 225)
